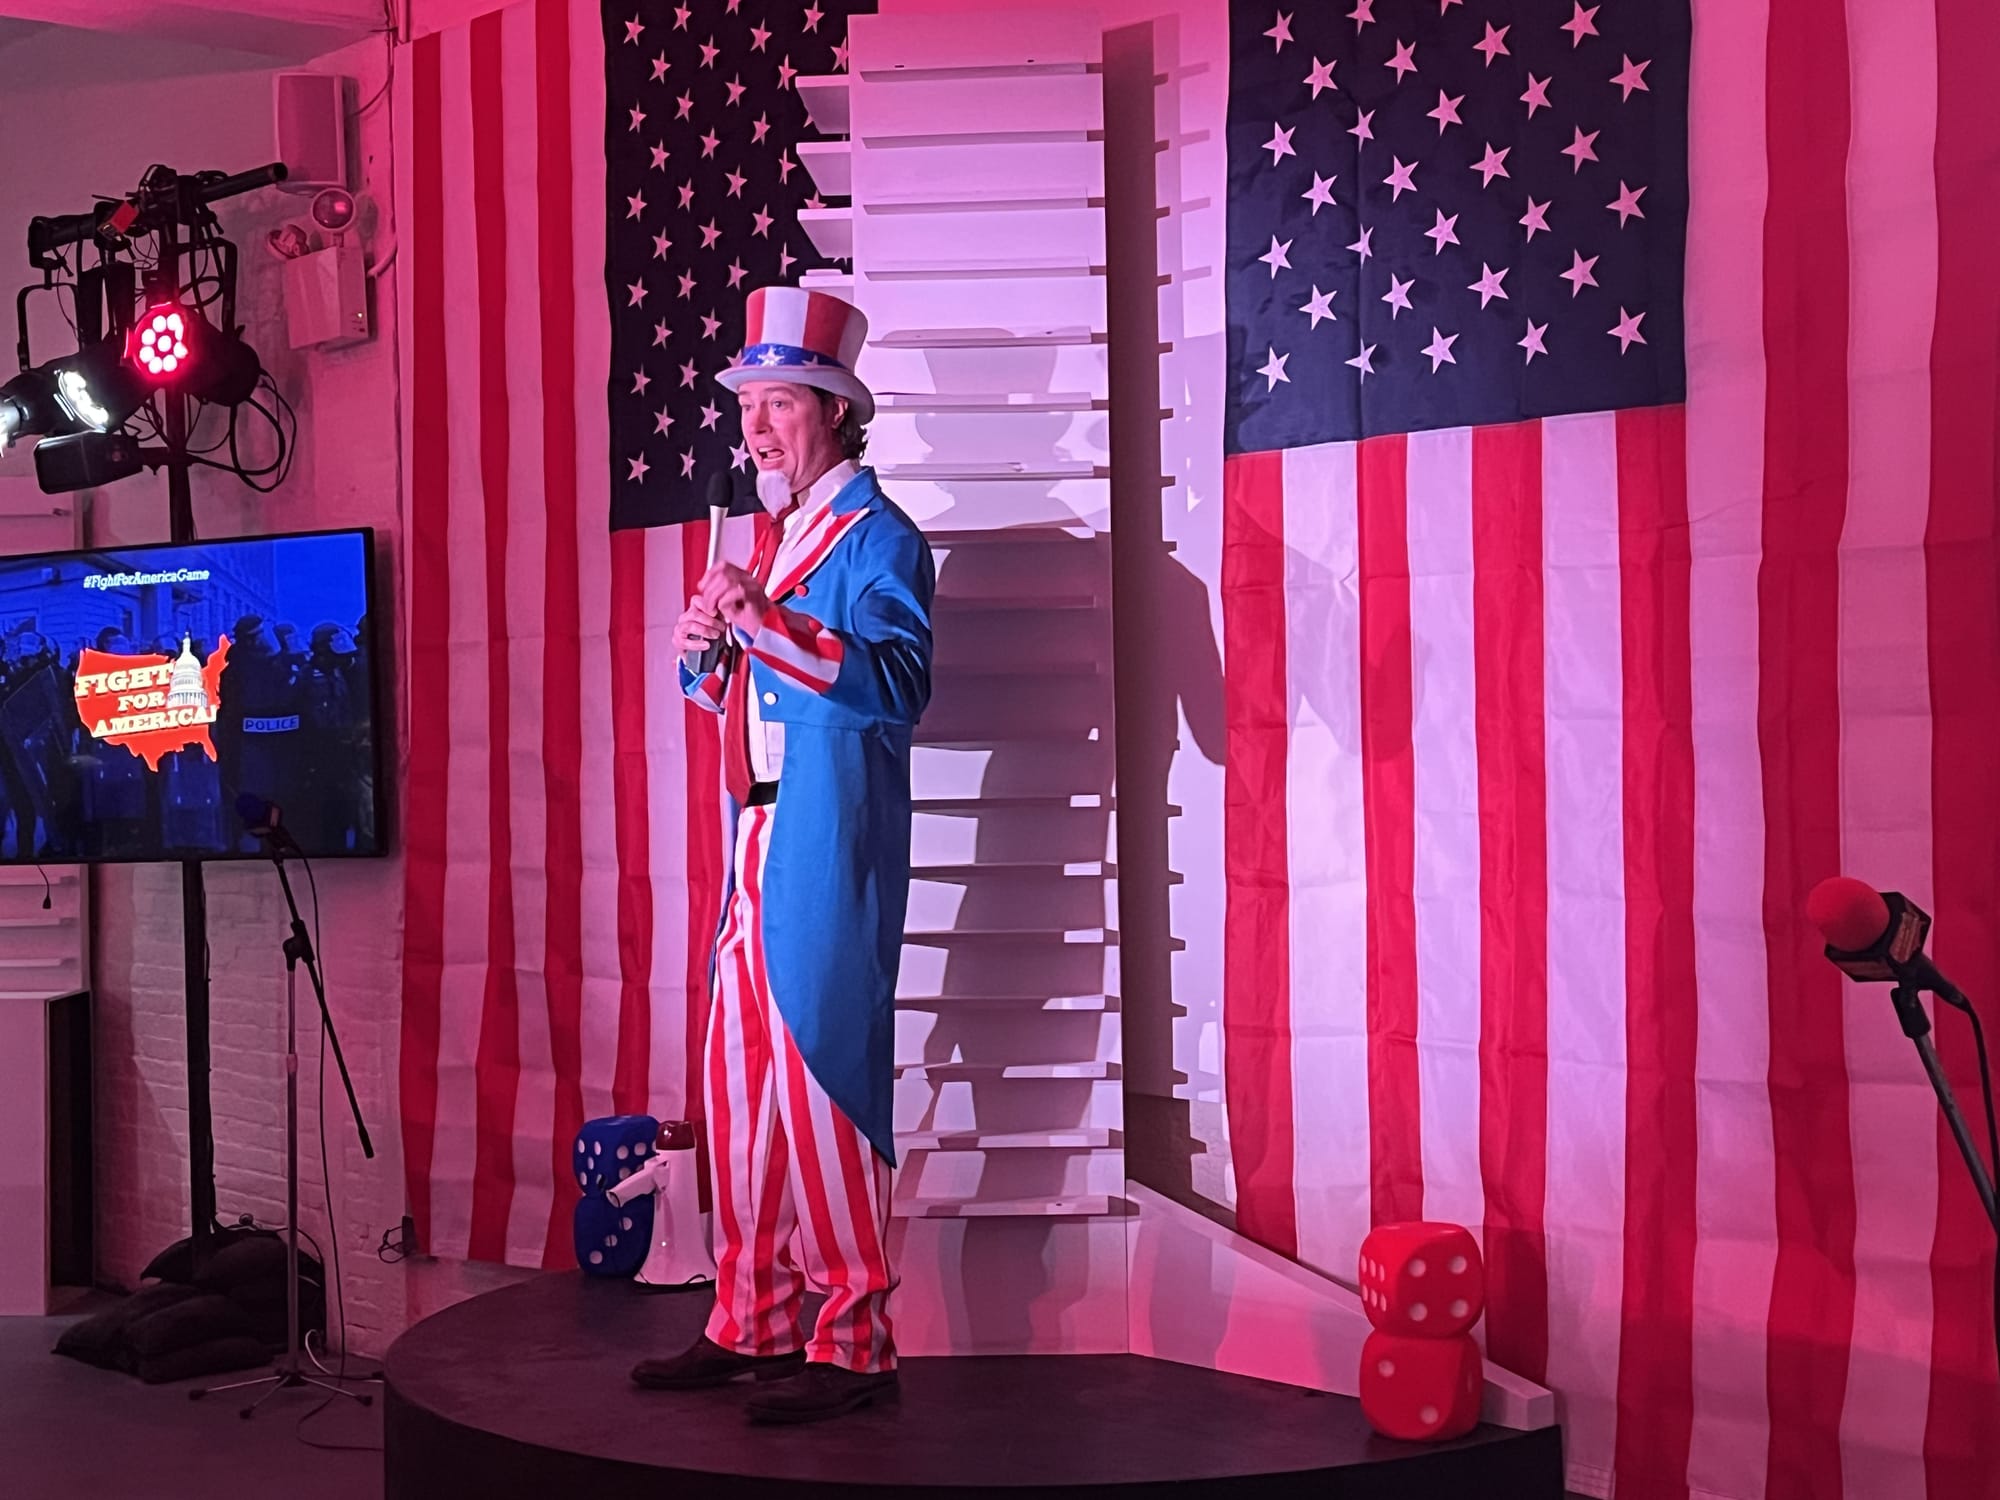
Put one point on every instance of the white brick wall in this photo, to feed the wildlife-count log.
(346, 474)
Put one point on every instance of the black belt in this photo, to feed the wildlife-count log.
(762, 794)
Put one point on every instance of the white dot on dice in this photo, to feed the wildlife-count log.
(610, 1241)
(1418, 1312)
(1417, 1266)
(597, 1148)
(627, 1224)
(1457, 1267)
(597, 1257)
(623, 1152)
(1459, 1305)
(1428, 1415)
(1386, 1368)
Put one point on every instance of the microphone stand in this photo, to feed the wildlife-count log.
(290, 1371)
(1917, 1027)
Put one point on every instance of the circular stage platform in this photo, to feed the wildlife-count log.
(524, 1392)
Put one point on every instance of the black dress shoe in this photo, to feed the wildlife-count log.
(704, 1364)
(820, 1391)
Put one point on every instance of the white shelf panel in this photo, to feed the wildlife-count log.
(1005, 305)
(1079, 869)
(828, 100)
(980, 270)
(965, 198)
(975, 803)
(831, 165)
(973, 473)
(1027, 164)
(960, 402)
(998, 240)
(1071, 937)
(1092, 1206)
(831, 230)
(1064, 97)
(1008, 1140)
(1009, 1002)
(899, 41)
(988, 338)
(961, 1072)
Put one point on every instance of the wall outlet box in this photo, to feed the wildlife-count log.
(326, 298)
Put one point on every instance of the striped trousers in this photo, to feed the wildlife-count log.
(800, 1195)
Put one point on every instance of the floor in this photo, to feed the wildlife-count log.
(67, 1429)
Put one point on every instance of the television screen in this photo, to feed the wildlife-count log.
(148, 693)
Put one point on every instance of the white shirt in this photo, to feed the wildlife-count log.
(767, 741)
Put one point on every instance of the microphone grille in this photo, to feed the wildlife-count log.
(1849, 913)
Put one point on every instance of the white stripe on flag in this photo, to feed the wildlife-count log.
(1583, 681)
(527, 589)
(468, 814)
(1735, 1212)
(1445, 756)
(1885, 728)
(601, 980)
(667, 810)
(1327, 856)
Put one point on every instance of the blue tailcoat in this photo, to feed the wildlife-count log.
(837, 876)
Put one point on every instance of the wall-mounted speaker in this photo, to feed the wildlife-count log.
(311, 111)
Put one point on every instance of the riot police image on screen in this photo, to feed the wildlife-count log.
(194, 819)
(327, 812)
(118, 792)
(259, 741)
(37, 740)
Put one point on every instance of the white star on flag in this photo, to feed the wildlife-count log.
(1537, 217)
(639, 467)
(1400, 178)
(681, 14)
(662, 420)
(687, 285)
(1446, 112)
(635, 205)
(660, 68)
(770, 357)
(760, 222)
(1364, 361)
(1321, 77)
(1632, 76)
(813, 17)
(739, 456)
(759, 35)
(1439, 349)
(709, 141)
(640, 380)
(638, 289)
(1442, 233)
(1537, 96)
(709, 416)
(1578, 275)
(709, 235)
(1405, 60)
(1494, 43)
(736, 274)
(661, 245)
(632, 29)
(1276, 257)
(1580, 25)
(1362, 14)
(1580, 150)
(638, 118)
(1627, 332)
(1493, 164)
(1365, 246)
(1320, 194)
(710, 325)
(1273, 369)
(1320, 305)
(660, 157)
(1533, 342)
(1626, 205)
(1363, 129)
(1280, 143)
(1488, 285)
(1280, 32)
(687, 464)
(735, 87)
(709, 52)
(662, 331)
(1398, 295)
(688, 373)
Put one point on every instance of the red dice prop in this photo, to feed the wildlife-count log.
(1421, 1389)
(1422, 1280)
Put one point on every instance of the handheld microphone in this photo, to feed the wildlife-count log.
(718, 511)
(1877, 936)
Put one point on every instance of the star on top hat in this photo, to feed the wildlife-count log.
(806, 337)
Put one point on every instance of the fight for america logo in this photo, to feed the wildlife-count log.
(151, 704)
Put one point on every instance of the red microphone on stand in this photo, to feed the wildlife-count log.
(1878, 936)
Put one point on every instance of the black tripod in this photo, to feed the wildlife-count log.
(290, 1371)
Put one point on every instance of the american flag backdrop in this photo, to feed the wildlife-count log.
(589, 194)
(1609, 555)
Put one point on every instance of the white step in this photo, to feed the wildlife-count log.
(827, 100)
(1090, 1206)
(968, 1072)
(831, 164)
(1083, 937)
(946, 1003)
(1008, 1140)
(831, 230)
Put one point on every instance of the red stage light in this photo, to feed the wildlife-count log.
(160, 348)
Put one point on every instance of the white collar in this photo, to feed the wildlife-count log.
(819, 494)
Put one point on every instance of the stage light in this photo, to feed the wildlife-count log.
(97, 388)
(173, 344)
(28, 407)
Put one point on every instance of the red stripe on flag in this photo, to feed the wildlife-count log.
(498, 1064)
(1961, 541)
(1510, 735)
(562, 694)
(702, 745)
(1389, 796)
(1811, 1318)
(1256, 980)
(629, 1082)
(1656, 1338)
(430, 636)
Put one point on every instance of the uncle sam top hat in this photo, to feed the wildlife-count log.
(806, 337)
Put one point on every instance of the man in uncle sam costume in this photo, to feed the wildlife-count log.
(817, 657)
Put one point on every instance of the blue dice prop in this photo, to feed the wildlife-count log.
(610, 1240)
